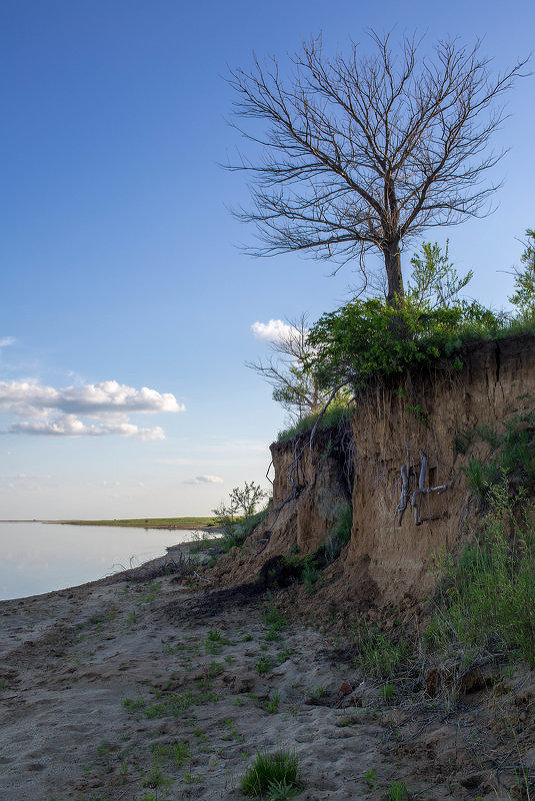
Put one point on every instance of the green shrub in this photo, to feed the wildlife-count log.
(369, 340)
(271, 773)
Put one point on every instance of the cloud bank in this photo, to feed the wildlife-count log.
(49, 411)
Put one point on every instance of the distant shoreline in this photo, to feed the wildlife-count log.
(168, 523)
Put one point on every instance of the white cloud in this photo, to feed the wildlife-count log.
(30, 398)
(5, 341)
(274, 331)
(56, 412)
(205, 480)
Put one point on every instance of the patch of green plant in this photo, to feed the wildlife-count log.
(370, 779)
(330, 419)
(237, 518)
(378, 653)
(272, 704)
(309, 576)
(155, 779)
(170, 704)
(397, 791)
(214, 641)
(273, 617)
(340, 534)
(513, 456)
(264, 665)
(273, 773)
(368, 341)
(487, 597)
(284, 654)
(150, 593)
(388, 692)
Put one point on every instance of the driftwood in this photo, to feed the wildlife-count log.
(421, 490)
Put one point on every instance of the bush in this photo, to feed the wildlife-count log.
(237, 519)
(367, 341)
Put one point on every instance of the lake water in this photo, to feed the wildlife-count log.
(40, 557)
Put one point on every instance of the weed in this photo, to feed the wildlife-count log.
(247, 638)
(273, 773)
(148, 596)
(388, 692)
(284, 654)
(370, 778)
(274, 618)
(378, 653)
(214, 642)
(487, 596)
(397, 791)
(272, 704)
(309, 576)
(155, 779)
(264, 665)
(179, 753)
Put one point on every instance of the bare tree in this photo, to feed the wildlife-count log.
(363, 152)
(289, 371)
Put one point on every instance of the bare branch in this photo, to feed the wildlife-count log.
(363, 152)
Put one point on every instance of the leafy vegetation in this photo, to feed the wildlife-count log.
(238, 517)
(523, 297)
(512, 458)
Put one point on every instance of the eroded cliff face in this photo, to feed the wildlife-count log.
(421, 422)
(428, 417)
(309, 486)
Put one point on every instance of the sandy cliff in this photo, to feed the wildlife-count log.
(424, 425)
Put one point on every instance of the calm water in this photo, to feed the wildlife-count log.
(40, 557)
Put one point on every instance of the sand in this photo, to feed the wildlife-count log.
(138, 688)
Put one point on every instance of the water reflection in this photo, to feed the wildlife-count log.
(38, 557)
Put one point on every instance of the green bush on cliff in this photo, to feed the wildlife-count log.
(367, 341)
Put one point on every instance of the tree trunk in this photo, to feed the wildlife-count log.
(394, 278)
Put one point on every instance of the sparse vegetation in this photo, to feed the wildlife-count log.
(487, 597)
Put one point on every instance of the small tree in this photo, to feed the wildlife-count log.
(235, 518)
(434, 281)
(524, 295)
(366, 151)
(289, 371)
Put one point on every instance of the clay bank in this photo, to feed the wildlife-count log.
(402, 461)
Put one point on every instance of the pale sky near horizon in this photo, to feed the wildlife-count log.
(127, 309)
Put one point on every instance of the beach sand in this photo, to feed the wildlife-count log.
(140, 688)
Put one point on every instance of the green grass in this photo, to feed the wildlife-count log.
(276, 774)
(487, 597)
(147, 522)
(332, 417)
(379, 653)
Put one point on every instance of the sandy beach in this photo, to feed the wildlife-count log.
(146, 686)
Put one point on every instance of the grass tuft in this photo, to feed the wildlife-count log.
(273, 773)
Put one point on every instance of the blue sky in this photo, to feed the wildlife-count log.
(119, 265)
